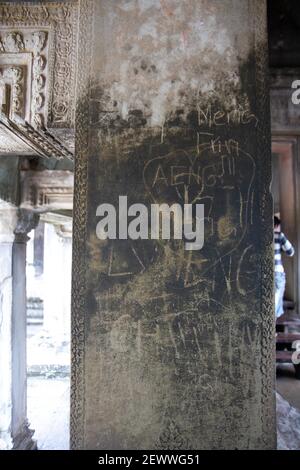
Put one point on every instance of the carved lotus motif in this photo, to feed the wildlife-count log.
(59, 110)
(64, 33)
(63, 49)
(63, 70)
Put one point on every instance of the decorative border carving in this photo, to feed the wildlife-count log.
(38, 141)
(79, 228)
(59, 21)
(259, 12)
(15, 77)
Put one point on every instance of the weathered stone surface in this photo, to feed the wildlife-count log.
(288, 425)
(173, 349)
(9, 179)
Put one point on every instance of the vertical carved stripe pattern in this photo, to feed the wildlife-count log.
(79, 228)
(266, 211)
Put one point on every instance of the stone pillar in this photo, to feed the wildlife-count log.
(173, 349)
(57, 281)
(8, 220)
(38, 249)
(22, 435)
(14, 226)
(66, 241)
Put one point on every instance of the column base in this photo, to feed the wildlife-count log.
(23, 440)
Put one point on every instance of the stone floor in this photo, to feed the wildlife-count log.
(48, 388)
(46, 354)
(48, 411)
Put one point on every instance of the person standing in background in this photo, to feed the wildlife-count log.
(281, 243)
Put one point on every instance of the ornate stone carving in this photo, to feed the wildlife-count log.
(33, 43)
(258, 10)
(79, 237)
(19, 137)
(47, 190)
(172, 438)
(38, 41)
(12, 42)
(15, 77)
(48, 31)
